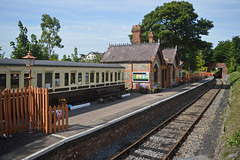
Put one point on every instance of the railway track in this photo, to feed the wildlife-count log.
(163, 141)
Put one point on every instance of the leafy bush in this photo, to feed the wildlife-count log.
(238, 68)
(230, 70)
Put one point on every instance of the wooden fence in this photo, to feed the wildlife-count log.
(58, 118)
(19, 109)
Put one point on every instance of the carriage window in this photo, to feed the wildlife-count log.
(92, 77)
(111, 77)
(48, 80)
(119, 76)
(79, 78)
(73, 78)
(57, 79)
(39, 80)
(2, 81)
(14, 80)
(87, 78)
(122, 76)
(115, 76)
(26, 81)
(107, 76)
(66, 79)
(97, 77)
(102, 76)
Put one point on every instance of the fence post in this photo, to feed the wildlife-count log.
(9, 112)
(1, 114)
(5, 103)
(14, 111)
(46, 112)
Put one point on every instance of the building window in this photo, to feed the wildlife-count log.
(48, 80)
(79, 78)
(92, 77)
(14, 80)
(26, 81)
(107, 74)
(87, 78)
(39, 80)
(3, 81)
(73, 78)
(102, 77)
(57, 79)
(119, 76)
(97, 77)
(66, 79)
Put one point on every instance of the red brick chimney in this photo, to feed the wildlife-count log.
(136, 30)
(150, 37)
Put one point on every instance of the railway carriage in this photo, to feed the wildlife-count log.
(73, 81)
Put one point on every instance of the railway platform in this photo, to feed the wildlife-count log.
(84, 121)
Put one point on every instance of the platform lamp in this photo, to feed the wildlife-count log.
(29, 61)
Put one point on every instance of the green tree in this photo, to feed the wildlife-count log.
(65, 58)
(50, 28)
(1, 54)
(222, 52)
(54, 57)
(21, 48)
(36, 48)
(232, 65)
(75, 55)
(176, 24)
(201, 61)
(235, 49)
(99, 58)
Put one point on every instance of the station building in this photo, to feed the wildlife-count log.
(145, 63)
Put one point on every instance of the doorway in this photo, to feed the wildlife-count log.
(163, 77)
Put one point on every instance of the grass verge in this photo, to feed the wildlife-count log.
(232, 123)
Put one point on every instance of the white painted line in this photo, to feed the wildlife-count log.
(125, 95)
(59, 136)
(80, 106)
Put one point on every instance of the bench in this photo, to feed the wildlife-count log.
(109, 93)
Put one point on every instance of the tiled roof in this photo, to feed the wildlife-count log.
(131, 53)
(169, 55)
(20, 62)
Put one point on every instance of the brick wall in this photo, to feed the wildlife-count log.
(85, 146)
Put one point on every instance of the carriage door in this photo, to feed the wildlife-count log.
(163, 78)
(155, 73)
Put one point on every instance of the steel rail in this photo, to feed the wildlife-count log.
(184, 136)
(135, 144)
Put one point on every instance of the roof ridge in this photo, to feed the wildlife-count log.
(130, 44)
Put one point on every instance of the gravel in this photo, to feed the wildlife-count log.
(203, 140)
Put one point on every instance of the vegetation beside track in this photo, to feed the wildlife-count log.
(232, 122)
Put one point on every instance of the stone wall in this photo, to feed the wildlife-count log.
(83, 147)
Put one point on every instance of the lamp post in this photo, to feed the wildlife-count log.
(29, 61)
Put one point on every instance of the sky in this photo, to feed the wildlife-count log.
(91, 25)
